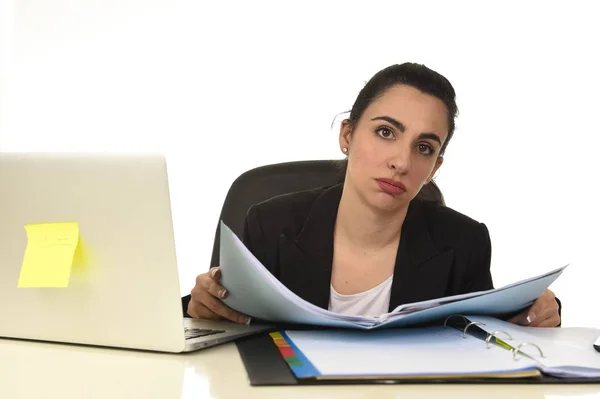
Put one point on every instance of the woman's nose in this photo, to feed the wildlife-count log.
(400, 161)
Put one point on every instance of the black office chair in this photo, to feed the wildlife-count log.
(267, 181)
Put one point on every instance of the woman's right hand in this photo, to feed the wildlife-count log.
(205, 303)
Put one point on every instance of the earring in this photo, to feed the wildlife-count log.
(345, 150)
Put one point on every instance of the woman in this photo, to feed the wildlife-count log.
(365, 246)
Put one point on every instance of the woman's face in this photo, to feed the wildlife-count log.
(394, 148)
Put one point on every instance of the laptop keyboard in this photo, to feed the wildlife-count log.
(200, 332)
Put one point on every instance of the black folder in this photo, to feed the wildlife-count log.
(266, 367)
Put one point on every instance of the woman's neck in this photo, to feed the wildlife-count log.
(366, 227)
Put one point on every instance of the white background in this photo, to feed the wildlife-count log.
(221, 87)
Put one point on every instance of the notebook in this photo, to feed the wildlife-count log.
(468, 350)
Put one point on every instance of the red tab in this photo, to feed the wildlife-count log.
(286, 351)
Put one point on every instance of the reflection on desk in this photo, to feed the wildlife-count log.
(36, 370)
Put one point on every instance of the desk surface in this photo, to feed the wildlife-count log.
(36, 370)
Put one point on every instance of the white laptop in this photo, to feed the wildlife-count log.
(123, 288)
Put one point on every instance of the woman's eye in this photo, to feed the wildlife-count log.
(385, 133)
(425, 149)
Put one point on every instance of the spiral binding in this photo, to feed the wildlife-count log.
(514, 350)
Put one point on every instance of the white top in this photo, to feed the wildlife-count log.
(373, 302)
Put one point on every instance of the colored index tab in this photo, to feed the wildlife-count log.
(49, 255)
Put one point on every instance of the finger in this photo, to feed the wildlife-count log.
(213, 288)
(221, 309)
(520, 318)
(552, 321)
(215, 273)
(205, 282)
(543, 308)
(199, 311)
(531, 314)
(540, 317)
(542, 303)
(549, 312)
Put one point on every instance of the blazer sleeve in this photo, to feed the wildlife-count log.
(260, 238)
(479, 276)
(252, 236)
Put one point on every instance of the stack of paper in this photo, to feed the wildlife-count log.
(409, 353)
(440, 352)
(254, 291)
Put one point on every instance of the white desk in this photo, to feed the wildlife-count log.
(46, 370)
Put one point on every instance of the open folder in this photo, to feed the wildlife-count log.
(451, 351)
(255, 292)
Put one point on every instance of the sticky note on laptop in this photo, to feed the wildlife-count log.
(49, 254)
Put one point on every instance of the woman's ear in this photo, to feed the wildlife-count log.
(438, 162)
(345, 133)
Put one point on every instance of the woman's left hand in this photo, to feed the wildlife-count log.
(543, 312)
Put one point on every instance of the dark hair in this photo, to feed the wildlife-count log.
(415, 75)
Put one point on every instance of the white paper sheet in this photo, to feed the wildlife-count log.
(568, 352)
(254, 291)
(402, 352)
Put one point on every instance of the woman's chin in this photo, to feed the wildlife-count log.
(388, 202)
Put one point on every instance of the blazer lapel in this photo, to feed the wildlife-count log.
(306, 258)
(421, 270)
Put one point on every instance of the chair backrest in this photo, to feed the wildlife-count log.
(264, 182)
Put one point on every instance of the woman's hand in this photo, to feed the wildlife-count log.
(205, 303)
(543, 312)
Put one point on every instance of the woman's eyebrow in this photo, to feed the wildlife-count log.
(431, 136)
(400, 126)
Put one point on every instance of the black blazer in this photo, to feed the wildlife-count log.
(442, 252)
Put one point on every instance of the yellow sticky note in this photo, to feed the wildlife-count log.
(49, 255)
